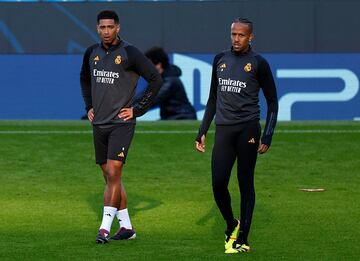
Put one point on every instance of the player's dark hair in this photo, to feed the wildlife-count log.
(158, 55)
(244, 21)
(108, 14)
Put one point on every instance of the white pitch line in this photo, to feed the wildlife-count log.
(44, 132)
(317, 131)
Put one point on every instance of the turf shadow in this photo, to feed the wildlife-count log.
(136, 203)
(213, 216)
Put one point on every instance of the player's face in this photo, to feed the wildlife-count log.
(108, 30)
(240, 36)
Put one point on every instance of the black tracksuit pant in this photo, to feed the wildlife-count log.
(239, 142)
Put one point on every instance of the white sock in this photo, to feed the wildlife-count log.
(124, 219)
(108, 217)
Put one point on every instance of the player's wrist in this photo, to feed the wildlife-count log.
(198, 137)
(266, 140)
(136, 112)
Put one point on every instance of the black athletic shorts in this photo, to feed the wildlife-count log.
(112, 141)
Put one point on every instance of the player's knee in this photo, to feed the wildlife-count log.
(112, 174)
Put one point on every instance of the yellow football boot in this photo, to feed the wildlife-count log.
(237, 248)
(230, 239)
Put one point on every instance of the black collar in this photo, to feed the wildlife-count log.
(113, 46)
(241, 53)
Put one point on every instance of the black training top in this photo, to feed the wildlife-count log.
(108, 81)
(234, 92)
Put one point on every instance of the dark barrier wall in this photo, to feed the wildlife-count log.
(191, 27)
(310, 86)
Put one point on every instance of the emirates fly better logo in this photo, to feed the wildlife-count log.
(230, 85)
(105, 76)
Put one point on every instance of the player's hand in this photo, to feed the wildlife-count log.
(200, 147)
(90, 114)
(126, 113)
(262, 148)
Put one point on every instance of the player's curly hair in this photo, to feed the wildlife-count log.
(108, 14)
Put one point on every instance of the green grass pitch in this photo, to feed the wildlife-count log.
(51, 194)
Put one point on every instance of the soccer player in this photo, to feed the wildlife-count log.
(108, 79)
(238, 75)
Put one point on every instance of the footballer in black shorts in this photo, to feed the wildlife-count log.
(112, 141)
(108, 79)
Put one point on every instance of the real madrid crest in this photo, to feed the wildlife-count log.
(118, 59)
(247, 67)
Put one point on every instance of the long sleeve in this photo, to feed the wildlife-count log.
(210, 109)
(147, 70)
(85, 80)
(164, 93)
(267, 84)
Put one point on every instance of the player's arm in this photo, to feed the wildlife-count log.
(164, 92)
(210, 108)
(144, 67)
(267, 84)
(85, 83)
(163, 95)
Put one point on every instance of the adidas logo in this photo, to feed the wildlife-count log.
(96, 59)
(121, 154)
(252, 140)
(222, 67)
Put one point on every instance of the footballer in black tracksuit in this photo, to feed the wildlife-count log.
(234, 100)
(108, 81)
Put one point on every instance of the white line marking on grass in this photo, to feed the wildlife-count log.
(67, 132)
(43, 132)
(317, 131)
(170, 132)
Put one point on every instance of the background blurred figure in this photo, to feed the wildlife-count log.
(172, 99)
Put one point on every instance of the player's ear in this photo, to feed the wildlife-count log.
(98, 29)
(118, 28)
(251, 37)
